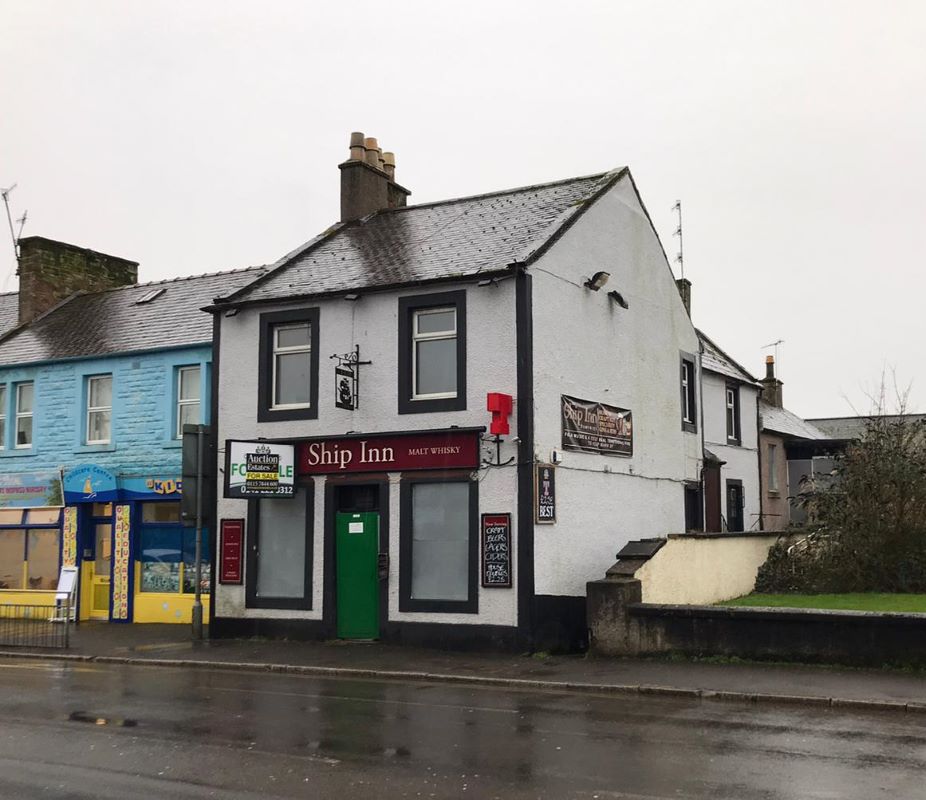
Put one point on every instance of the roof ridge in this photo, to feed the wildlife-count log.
(726, 355)
(498, 193)
(178, 279)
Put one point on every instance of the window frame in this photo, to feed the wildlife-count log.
(689, 392)
(734, 436)
(252, 543)
(406, 601)
(88, 409)
(269, 323)
(771, 450)
(180, 402)
(3, 415)
(409, 309)
(20, 415)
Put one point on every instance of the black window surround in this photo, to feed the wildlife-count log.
(406, 601)
(252, 539)
(407, 308)
(265, 410)
(732, 404)
(689, 393)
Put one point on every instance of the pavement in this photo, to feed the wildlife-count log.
(749, 682)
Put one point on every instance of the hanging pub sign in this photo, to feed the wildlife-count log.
(231, 551)
(345, 381)
(258, 469)
(451, 449)
(544, 493)
(596, 428)
(496, 551)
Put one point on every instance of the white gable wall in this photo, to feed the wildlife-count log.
(587, 346)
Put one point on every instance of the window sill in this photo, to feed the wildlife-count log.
(173, 444)
(689, 427)
(96, 448)
(22, 451)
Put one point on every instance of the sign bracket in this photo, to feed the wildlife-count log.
(347, 379)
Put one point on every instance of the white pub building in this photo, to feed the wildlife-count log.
(464, 409)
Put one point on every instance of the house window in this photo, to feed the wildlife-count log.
(2, 417)
(188, 398)
(288, 371)
(733, 414)
(24, 401)
(99, 409)
(279, 566)
(439, 535)
(432, 352)
(689, 403)
(773, 468)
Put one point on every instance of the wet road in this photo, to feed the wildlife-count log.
(102, 731)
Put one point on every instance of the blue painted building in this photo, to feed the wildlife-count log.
(94, 390)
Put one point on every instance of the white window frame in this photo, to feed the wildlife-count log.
(98, 409)
(278, 351)
(3, 416)
(772, 450)
(731, 419)
(181, 403)
(22, 415)
(430, 337)
(687, 411)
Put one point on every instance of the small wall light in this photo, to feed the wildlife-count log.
(618, 298)
(352, 296)
(597, 280)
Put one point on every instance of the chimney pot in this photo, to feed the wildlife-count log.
(389, 165)
(356, 146)
(371, 156)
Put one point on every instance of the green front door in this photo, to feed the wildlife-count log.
(357, 537)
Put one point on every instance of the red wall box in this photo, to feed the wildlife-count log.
(388, 453)
(231, 551)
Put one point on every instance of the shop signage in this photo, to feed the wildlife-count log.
(89, 483)
(231, 550)
(496, 551)
(121, 563)
(69, 537)
(596, 428)
(545, 493)
(31, 489)
(258, 469)
(374, 453)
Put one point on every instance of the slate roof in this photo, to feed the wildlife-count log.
(461, 237)
(109, 322)
(780, 420)
(716, 360)
(846, 428)
(9, 311)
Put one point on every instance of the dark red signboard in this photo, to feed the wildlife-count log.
(496, 551)
(388, 453)
(231, 551)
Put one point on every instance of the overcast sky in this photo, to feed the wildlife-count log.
(194, 137)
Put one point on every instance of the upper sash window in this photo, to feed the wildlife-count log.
(288, 369)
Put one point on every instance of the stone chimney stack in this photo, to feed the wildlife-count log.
(51, 271)
(684, 289)
(368, 180)
(771, 386)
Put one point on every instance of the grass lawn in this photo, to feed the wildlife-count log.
(850, 602)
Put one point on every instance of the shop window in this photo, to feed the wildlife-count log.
(167, 555)
(288, 367)
(29, 558)
(12, 555)
(99, 409)
(439, 535)
(188, 398)
(432, 352)
(279, 567)
(160, 512)
(3, 417)
(102, 510)
(42, 551)
(43, 516)
(25, 396)
(11, 516)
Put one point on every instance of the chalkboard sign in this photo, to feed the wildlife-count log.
(496, 551)
(545, 494)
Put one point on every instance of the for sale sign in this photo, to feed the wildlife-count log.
(259, 469)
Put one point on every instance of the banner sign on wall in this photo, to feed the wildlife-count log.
(90, 483)
(231, 551)
(31, 489)
(374, 453)
(544, 493)
(258, 469)
(496, 551)
(596, 428)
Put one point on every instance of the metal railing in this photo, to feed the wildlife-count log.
(24, 625)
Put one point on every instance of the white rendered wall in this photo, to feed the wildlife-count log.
(742, 460)
(372, 322)
(587, 346)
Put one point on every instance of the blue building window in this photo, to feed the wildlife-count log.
(99, 409)
(168, 551)
(24, 402)
(188, 398)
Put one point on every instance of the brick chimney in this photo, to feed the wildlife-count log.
(51, 271)
(684, 289)
(771, 386)
(368, 180)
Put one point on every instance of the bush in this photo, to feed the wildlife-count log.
(866, 522)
